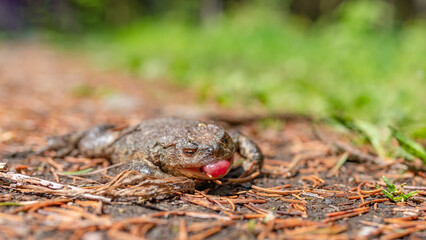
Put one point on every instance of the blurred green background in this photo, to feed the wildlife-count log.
(363, 58)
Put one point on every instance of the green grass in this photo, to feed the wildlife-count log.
(381, 139)
(355, 62)
(394, 193)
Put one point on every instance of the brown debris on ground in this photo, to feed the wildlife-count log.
(309, 188)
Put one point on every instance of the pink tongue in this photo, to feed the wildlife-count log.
(217, 168)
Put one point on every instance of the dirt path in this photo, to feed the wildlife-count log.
(45, 92)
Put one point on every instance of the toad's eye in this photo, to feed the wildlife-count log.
(189, 152)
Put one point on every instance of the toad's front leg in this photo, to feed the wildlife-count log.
(249, 150)
(145, 167)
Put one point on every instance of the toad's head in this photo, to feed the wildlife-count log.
(201, 151)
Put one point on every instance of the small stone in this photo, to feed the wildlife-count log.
(3, 166)
(328, 201)
(93, 236)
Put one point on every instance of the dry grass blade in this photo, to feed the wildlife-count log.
(242, 201)
(183, 231)
(266, 230)
(206, 233)
(245, 179)
(252, 216)
(294, 222)
(138, 220)
(406, 224)
(333, 214)
(347, 215)
(317, 229)
(122, 235)
(399, 220)
(294, 201)
(373, 201)
(314, 179)
(275, 191)
(201, 215)
(200, 226)
(255, 209)
(267, 194)
(209, 215)
(292, 213)
(202, 203)
(403, 233)
(232, 204)
(33, 207)
(371, 192)
(335, 169)
(79, 233)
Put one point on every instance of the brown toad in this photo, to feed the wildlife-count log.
(163, 147)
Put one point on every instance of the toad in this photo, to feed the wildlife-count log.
(164, 147)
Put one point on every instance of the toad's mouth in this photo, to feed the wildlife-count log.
(211, 171)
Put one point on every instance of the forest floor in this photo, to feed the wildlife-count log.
(306, 190)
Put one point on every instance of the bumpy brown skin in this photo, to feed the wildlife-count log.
(159, 147)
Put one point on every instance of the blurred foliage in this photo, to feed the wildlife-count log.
(369, 132)
(84, 90)
(380, 138)
(357, 60)
(255, 56)
(409, 146)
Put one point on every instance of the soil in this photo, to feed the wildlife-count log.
(300, 194)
